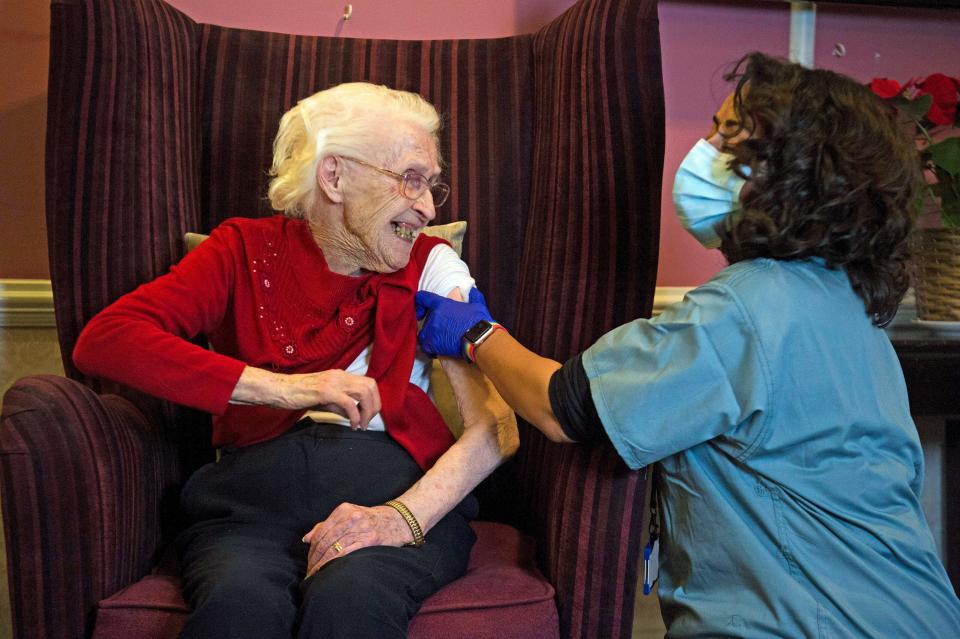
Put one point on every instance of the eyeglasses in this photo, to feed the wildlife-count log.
(412, 184)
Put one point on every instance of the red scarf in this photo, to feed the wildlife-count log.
(378, 310)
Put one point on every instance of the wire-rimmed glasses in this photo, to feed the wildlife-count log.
(412, 184)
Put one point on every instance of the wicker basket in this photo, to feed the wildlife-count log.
(936, 274)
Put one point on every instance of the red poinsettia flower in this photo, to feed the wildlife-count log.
(956, 118)
(943, 90)
(885, 88)
(930, 105)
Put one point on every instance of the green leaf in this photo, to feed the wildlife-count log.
(946, 155)
(914, 109)
(951, 216)
(948, 192)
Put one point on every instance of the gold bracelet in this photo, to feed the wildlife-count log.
(411, 521)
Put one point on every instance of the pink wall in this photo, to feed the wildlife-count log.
(390, 19)
(698, 42)
(699, 38)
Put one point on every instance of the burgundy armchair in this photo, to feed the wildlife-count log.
(158, 126)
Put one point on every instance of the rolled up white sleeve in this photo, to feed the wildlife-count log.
(445, 271)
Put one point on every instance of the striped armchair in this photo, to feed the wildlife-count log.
(158, 126)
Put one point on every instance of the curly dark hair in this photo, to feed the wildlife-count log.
(832, 175)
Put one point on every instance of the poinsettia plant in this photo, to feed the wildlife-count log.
(930, 105)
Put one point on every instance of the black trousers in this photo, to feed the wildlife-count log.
(243, 560)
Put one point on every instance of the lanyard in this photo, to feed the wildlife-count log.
(651, 551)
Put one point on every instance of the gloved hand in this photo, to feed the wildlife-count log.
(447, 320)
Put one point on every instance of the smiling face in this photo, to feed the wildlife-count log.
(378, 224)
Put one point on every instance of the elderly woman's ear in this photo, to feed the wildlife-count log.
(328, 178)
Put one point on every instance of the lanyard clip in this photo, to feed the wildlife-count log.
(651, 564)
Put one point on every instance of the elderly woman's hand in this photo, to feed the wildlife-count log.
(356, 397)
(350, 527)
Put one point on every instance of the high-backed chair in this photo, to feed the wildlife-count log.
(158, 126)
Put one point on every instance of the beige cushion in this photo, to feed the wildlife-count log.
(442, 393)
(452, 232)
(192, 240)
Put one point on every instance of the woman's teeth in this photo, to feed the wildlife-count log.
(404, 232)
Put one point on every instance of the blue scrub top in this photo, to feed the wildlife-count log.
(790, 465)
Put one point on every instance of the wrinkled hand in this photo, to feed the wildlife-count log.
(356, 397)
(447, 320)
(354, 527)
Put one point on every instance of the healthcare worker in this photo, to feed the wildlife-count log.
(771, 399)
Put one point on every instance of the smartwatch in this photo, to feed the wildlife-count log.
(479, 332)
(476, 335)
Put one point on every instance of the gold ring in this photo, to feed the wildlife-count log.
(337, 547)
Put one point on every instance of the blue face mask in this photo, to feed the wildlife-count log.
(706, 192)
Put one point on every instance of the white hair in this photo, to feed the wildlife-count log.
(346, 119)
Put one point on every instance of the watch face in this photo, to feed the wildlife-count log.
(476, 331)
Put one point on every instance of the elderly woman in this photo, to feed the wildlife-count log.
(340, 500)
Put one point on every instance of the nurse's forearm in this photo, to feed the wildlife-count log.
(522, 378)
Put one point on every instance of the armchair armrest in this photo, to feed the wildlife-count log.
(82, 478)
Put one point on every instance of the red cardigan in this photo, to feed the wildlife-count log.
(260, 289)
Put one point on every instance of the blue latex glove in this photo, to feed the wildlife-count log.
(447, 320)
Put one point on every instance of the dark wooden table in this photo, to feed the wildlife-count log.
(931, 366)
